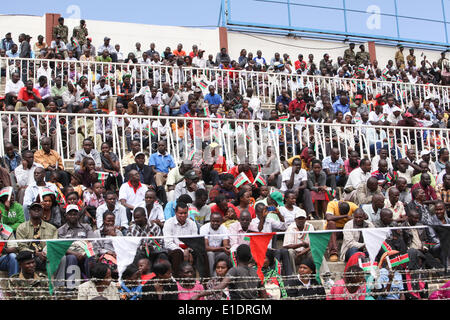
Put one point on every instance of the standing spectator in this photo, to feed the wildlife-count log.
(7, 42)
(61, 30)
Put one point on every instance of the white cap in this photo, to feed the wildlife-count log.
(71, 207)
(300, 214)
(395, 109)
(424, 152)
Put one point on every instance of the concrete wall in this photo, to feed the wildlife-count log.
(127, 34)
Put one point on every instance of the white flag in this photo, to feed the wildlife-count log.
(125, 249)
(373, 238)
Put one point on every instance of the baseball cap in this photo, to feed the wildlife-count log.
(358, 96)
(213, 145)
(300, 214)
(35, 204)
(24, 256)
(395, 109)
(71, 207)
(138, 154)
(191, 175)
(197, 89)
(106, 38)
(278, 197)
(90, 39)
(424, 152)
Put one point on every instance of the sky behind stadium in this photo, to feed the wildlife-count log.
(274, 12)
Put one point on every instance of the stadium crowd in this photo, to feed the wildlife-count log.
(146, 193)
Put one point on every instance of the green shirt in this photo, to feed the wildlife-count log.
(26, 231)
(14, 217)
(55, 92)
(101, 59)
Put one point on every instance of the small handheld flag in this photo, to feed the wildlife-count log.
(102, 176)
(259, 179)
(89, 250)
(240, 180)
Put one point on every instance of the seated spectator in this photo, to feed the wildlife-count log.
(87, 172)
(130, 288)
(8, 260)
(216, 247)
(113, 206)
(11, 211)
(352, 162)
(12, 89)
(289, 210)
(28, 93)
(417, 175)
(178, 226)
(305, 284)
(239, 227)
(189, 185)
(373, 209)
(169, 210)
(221, 266)
(87, 151)
(143, 227)
(405, 169)
(317, 184)
(188, 286)
(103, 95)
(100, 285)
(27, 284)
(51, 161)
(358, 176)
(164, 287)
(201, 212)
(154, 212)
(160, 163)
(145, 172)
(440, 217)
(224, 187)
(36, 228)
(298, 244)
(132, 193)
(295, 178)
(405, 193)
(105, 248)
(212, 97)
(425, 185)
(395, 205)
(418, 204)
(351, 287)
(110, 164)
(334, 168)
(76, 254)
(12, 159)
(252, 288)
(366, 191)
(129, 158)
(243, 203)
(337, 215)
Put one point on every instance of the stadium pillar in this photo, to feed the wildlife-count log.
(372, 51)
(223, 38)
(51, 20)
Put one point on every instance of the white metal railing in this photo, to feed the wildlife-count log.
(267, 85)
(237, 138)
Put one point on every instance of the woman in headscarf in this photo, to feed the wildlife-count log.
(305, 285)
(273, 281)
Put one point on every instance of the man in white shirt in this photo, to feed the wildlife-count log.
(298, 243)
(25, 173)
(358, 176)
(59, 46)
(180, 225)
(132, 193)
(382, 154)
(112, 205)
(153, 210)
(103, 95)
(189, 185)
(138, 52)
(12, 89)
(119, 54)
(215, 245)
(44, 70)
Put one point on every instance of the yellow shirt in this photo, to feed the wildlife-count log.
(50, 159)
(333, 208)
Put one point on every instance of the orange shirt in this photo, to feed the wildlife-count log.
(181, 53)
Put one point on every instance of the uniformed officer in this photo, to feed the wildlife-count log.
(27, 285)
(349, 55)
(61, 30)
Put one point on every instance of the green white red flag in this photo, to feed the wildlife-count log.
(240, 180)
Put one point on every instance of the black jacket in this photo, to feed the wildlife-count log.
(149, 178)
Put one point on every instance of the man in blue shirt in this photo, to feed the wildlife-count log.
(284, 98)
(212, 97)
(341, 105)
(6, 42)
(160, 163)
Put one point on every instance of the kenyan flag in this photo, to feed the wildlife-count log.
(233, 258)
(330, 194)
(102, 176)
(361, 69)
(386, 247)
(367, 266)
(399, 260)
(392, 177)
(240, 180)
(6, 191)
(89, 250)
(75, 43)
(202, 84)
(193, 211)
(6, 231)
(191, 155)
(157, 245)
(260, 180)
(284, 118)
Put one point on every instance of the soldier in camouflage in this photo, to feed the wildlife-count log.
(80, 33)
(61, 30)
(349, 55)
(362, 56)
(27, 285)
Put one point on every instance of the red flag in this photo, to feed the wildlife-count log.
(258, 247)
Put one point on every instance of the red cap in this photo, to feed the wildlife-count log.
(358, 96)
(378, 96)
(407, 114)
